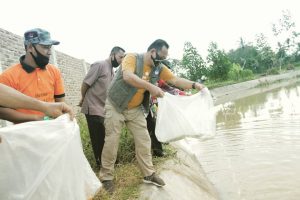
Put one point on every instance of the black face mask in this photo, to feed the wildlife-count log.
(157, 60)
(40, 59)
(114, 62)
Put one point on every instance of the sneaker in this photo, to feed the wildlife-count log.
(158, 153)
(108, 186)
(154, 179)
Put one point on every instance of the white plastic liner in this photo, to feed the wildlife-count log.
(44, 160)
(185, 116)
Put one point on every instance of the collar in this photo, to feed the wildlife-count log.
(25, 66)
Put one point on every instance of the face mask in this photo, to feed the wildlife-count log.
(114, 62)
(156, 61)
(40, 59)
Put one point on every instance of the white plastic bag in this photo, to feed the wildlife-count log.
(185, 116)
(44, 160)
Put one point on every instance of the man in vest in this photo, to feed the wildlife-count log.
(128, 98)
(93, 95)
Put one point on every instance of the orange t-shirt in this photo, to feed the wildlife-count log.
(41, 84)
(129, 63)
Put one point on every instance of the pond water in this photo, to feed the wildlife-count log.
(256, 151)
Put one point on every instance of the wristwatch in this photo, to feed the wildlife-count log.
(193, 85)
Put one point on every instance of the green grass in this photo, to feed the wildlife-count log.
(211, 84)
(215, 83)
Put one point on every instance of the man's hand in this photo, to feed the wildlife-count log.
(56, 109)
(80, 102)
(199, 86)
(156, 91)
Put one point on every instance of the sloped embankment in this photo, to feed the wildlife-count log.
(185, 180)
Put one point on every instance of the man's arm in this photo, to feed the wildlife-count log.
(11, 98)
(139, 83)
(185, 84)
(17, 117)
(84, 88)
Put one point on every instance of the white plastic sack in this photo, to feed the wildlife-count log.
(185, 116)
(44, 160)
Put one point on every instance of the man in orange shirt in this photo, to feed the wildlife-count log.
(34, 76)
(128, 93)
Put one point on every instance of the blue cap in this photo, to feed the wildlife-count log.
(38, 36)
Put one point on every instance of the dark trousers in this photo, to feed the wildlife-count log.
(155, 144)
(97, 135)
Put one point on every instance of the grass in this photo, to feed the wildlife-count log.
(127, 181)
(127, 176)
(215, 83)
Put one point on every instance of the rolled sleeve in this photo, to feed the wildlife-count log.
(129, 63)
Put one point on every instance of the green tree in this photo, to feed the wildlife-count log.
(297, 53)
(246, 55)
(266, 56)
(285, 32)
(192, 63)
(176, 66)
(219, 62)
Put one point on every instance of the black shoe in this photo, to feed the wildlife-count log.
(109, 186)
(158, 153)
(154, 179)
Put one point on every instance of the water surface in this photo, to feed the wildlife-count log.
(256, 151)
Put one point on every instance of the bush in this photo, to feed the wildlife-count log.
(234, 72)
(86, 141)
(126, 153)
(290, 67)
(272, 71)
(247, 74)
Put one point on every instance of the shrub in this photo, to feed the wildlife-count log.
(235, 72)
(272, 71)
(126, 151)
(290, 67)
(247, 74)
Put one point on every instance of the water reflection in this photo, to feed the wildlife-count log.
(255, 154)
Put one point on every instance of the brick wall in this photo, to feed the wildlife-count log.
(73, 70)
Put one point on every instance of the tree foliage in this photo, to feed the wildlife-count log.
(287, 38)
(246, 55)
(192, 63)
(266, 56)
(219, 62)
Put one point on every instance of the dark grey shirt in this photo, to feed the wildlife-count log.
(98, 78)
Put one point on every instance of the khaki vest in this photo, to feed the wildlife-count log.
(120, 92)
